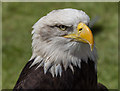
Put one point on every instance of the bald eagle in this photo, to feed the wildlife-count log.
(64, 54)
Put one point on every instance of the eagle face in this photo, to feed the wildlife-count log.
(62, 37)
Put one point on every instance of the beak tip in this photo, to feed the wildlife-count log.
(91, 47)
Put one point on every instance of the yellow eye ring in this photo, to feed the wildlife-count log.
(62, 27)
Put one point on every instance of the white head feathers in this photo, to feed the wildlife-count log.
(51, 50)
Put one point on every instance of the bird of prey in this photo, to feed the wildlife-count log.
(63, 53)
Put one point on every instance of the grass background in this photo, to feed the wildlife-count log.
(18, 18)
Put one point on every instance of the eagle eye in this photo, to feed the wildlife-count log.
(62, 27)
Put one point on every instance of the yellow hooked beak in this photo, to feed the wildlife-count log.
(83, 34)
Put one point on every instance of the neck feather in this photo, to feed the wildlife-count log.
(54, 56)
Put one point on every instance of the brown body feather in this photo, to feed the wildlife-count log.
(84, 78)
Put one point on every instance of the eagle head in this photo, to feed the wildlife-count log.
(62, 39)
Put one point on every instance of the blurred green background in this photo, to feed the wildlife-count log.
(17, 22)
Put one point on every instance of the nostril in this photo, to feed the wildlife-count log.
(80, 29)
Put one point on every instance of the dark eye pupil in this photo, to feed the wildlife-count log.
(62, 26)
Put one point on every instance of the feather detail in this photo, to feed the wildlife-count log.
(58, 70)
(41, 64)
(71, 67)
(37, 60)
(65, 65)
(79, 63)
(74, 61)
(52, 70)
(47, 65)
(33, 31)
